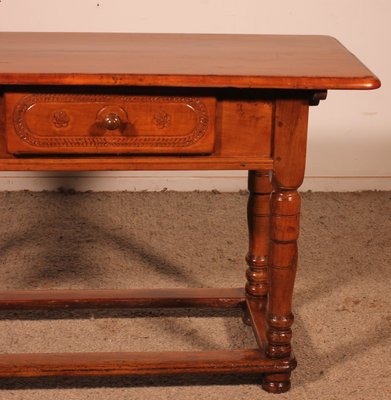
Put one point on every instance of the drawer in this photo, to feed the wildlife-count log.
(109, 124)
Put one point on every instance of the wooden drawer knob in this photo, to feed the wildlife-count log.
(111, 118)
(112, 121)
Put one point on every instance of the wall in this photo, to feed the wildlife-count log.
(350, 133)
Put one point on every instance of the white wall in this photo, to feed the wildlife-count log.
(350, 133)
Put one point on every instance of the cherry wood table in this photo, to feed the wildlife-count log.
(75, 102)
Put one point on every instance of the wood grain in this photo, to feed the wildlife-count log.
(131, 298)
(259, 89)
(243, 61)
(152, 363)
(290, 140)
(79, 124)
(134, 163)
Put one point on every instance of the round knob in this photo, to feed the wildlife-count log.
(112, 121)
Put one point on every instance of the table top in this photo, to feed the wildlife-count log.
(183, 60)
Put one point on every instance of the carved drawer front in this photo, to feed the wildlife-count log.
(61, 123)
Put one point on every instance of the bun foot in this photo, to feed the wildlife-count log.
(276, 383)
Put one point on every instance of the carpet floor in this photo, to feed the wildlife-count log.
(342, 302)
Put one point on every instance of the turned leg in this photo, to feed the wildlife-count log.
(284, 233)
(283, 253)
(258, 217)
(289, 157)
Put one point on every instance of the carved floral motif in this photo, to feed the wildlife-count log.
(60, 119)
(162, 120)
(197, 105)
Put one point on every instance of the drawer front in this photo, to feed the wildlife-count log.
(107, 124)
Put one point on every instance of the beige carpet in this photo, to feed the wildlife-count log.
(117, 240)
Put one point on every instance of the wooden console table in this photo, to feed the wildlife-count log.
(75, 102)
